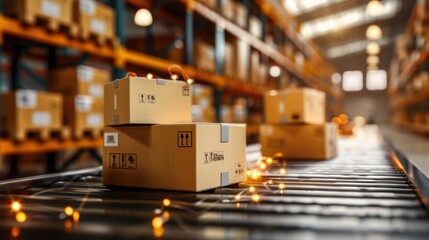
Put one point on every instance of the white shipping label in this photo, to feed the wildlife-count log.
(93, 120)
(51, 9)
(266, 130)
(41, 119)
(85, 73)
(26, 99)
(83, 103)
(111, 139)
(281, 107)
(95, 90)
(87, 6)
(98, 26)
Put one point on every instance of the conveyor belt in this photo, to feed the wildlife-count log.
(359, 194)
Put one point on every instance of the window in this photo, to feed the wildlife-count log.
(352, 81)
(376, 80)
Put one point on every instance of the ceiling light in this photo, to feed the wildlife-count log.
(143, 18)
(373, 32)
(374, 8)
(275, 71)
(371, 60)
(373, 48)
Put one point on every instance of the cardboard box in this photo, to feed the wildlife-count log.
(26, 111)
(94, 18)
(80, 80)
(299, 141)
(241, 56)
(205, 57)
(84, 115)
(203, 114)
(300, 105)
(56, 11)
(185, 157)
(138, 100)
(240, 15)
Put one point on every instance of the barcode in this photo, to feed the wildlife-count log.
(111, 139)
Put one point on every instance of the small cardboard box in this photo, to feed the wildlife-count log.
(80, 80)
(299, 141)
(185, 157)
(240, 16)
(25, 111)
(138, 100)
(94, 18)
(299, 105)
(84, 115)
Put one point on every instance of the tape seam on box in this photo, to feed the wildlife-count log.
(224, 132)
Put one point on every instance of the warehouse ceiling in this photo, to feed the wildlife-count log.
(338, 28)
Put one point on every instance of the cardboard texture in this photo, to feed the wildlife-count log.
(138, 100)
(94, 18)
(57, 11)
(185, 157)
(84, 114)
(299, 105)
(27, 111)
(80, 80)
(299, 141)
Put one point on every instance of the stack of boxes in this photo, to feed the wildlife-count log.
(151, 142)
(296, 127)
(82, 89)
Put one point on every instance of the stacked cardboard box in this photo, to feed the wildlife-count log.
(202, 104)
(176, 154)
(82, 88)
(28, 111)
(296, 126)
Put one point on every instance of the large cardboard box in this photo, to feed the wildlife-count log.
(27, 111)
(205, 56)
(94, 18)
(80, 80)
(138, 100)
(241, 59)
(185, 157)
(299, 141)
(84, 115)
(56, 12)
(299, 105)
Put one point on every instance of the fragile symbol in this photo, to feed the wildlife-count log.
(132, 161)
(114, 161)
(184, 139)
(147, 98)
(122, 161)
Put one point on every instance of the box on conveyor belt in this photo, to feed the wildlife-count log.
(25, 111)
(94, 18)
(302, 141)
(84, 115)
(185, 157)
(138, 100)
(298, 105)
(82, 79)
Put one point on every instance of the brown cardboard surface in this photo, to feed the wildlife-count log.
(299, 141)
(300, 105)
(187, 157)
(84, 114)
(138, 100)
(28, 10)
(94, 18)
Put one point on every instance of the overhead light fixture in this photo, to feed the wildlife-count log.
(373, 48)
(374, 8)
(373, 32)
(143, 18)
(275, 71)
(372, 60)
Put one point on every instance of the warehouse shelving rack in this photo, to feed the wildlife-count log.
(120, 56)
(404, 104)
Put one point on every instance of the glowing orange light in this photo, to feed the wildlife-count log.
(269, 160)
(76, 216)
(281, 186)
(149, 76)
(21, 217)
(174, 77)
(263, 166)
(249, 172)
(166, 215)
(282, 171)
(344, 118)
(15, 232)
(16, 206)
(68, 210)
(237, 197)
(255, 198)
(336, 120)
(251, 189)
(166, 202)
(157, 222)
(68, 224)
(158, 232)
(237, 205)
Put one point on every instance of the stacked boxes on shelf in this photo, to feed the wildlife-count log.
(202, 104)
(27, 111)
(82, 88)
(151, 141)
(296, 127)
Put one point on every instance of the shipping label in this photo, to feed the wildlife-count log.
(26, 99)
(95, 90)
(51, 9)
(123, 161)
(93, 120)
(213, 156)
(147, 98)
(83, 103)
(111, 139)
(87, 6)
(85, 73)
(41, 118)
(98, 26)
